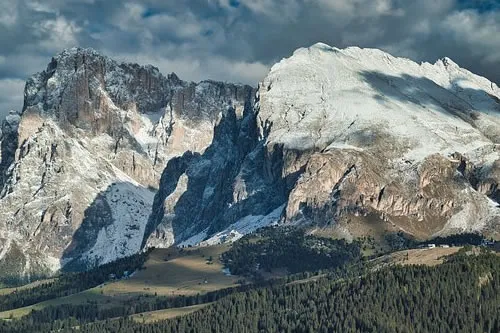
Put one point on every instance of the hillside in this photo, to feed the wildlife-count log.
(165, 273)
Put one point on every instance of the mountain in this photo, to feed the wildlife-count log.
(81, 164)
(354, 140)
(108, 157)
(385, 143)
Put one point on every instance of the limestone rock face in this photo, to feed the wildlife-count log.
(81, 165)
(235, 183)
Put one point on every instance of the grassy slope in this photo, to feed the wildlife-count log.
(171, 272)
(184, 273)
(80, 298)
(5, 291)
(149, 317)
(425, 256)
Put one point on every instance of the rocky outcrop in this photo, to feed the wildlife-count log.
(8, 143)
(234, 178)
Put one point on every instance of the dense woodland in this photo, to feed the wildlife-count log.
(72, 283)
(461, 295)
(458, 239)
(401, 241)
(288, 248)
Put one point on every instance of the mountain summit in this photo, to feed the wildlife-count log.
(108, 157)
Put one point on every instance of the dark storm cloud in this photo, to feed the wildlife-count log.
(238, 40)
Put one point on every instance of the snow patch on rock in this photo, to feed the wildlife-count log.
(130, 206)
(235, 231)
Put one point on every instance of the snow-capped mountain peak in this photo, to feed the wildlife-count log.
(389, 119)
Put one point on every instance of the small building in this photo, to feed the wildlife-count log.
(445, 246)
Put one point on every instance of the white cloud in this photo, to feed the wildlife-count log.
(363, 8)
(480, 32)
(185, 27)
(128, 16)
(280, 10)
(59, 33)
(41, 7)
(8, 13)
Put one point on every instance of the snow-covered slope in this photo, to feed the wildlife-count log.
(328, 96)
(235, 231)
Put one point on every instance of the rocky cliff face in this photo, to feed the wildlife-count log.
(81, 165)
(107, 158)
(231, 188)
(8, 143)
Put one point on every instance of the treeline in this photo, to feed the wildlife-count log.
(288, 248)
(462, 295)
(458, 240)
(400, 241)
(71, 283)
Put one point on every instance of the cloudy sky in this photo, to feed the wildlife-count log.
(238, 40)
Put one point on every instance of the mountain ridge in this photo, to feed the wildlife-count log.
(353, 140)
(366, 101)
